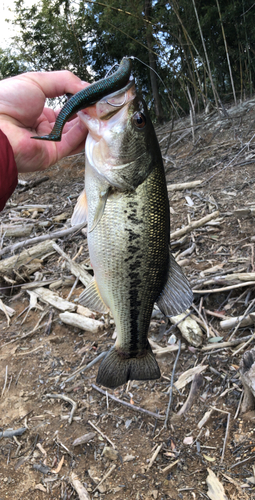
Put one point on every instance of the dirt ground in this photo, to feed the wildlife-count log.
(142, 458)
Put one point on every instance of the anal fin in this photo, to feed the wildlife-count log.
(80, 212)
(176, 295)
(92, 299)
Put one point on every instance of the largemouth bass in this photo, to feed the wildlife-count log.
(125, 203)
(89, 96)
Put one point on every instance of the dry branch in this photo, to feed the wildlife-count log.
(154, 456)
(239, 320)
(194, 225)
(222, 345)
(101, 433)
(183, 185)
(15, 262)
(54, 299)
(68, 400)
(15, 231)
(161, 351)
(79, 488)
(79, 321)
(38, 239)
(205, 418)
(75, 268)
(131, 407)
(225, 288)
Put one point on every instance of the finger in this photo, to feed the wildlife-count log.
(57, 83)
(73, 140)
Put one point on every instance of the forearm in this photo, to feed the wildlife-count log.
(8, 170)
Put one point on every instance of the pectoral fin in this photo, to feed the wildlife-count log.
(80, 212)
(92, 299)
(176, 295)
(99, 210)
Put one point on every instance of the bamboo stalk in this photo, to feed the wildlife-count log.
(206, 56)
(227, 54)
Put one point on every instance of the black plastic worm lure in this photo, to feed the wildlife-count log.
(89, 96)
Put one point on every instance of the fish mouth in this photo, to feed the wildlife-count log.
(105, 114)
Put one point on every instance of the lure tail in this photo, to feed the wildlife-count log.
(116, 370)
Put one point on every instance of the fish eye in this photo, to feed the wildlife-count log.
(139, 120)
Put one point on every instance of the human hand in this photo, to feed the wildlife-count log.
(22, 114)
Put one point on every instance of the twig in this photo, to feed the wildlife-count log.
(106, 476)
(252, 457)
(183, 185)
(5, 380)
(132, 407)
(34, 183)
(68, 400)
(195, 386)
(221, 345)
(202, 319)
(239, 406)
(49, 323)
(83, 368)
(170, 466)
(171, 385)
(243, 317)
(225, 439)
(18, 376)
(79, 488)
(29, 352)
(215, 314)
(194, 225)
(73, 288)
(154, 456)
(244, 345)
(225, 288)
(101, 433)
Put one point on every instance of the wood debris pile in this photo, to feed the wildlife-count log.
(190, 432)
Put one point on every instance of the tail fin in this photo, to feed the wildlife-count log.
(116, 370)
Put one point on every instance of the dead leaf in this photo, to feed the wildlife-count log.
(215, 487)
(188, 440)
(209, 459)
(40, 487)
(188, 376)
